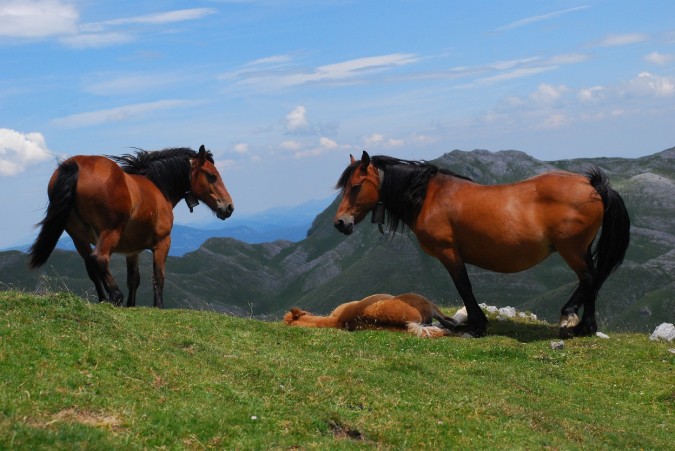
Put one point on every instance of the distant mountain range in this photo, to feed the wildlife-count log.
(326, 268)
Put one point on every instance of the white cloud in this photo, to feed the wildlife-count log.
(592, 94)
(652, 85)
(539, 18)
(180, 15)
(615, 40)
(112, 84)
(378, 140)
(240, 148)
(296, 120)
(325, 145)
(96, 40)
(350, 71)
(19, 150)
(658, 58)
(290, 145)
(118, 114)
(37, 18)
(548, 94)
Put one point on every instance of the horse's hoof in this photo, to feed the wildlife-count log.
(566, 332)
(585, 330)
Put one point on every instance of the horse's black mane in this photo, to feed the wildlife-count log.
(169, 169)
(403, 188)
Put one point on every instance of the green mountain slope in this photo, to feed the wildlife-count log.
(75, 375)
(328, 268)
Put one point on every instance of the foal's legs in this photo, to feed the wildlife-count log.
(133, 279)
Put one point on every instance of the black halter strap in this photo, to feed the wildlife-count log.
(377, 216)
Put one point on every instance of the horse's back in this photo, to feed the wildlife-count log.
(109, 199)
(509, 227)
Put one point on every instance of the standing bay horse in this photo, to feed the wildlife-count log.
(503, 228)
(125, 205)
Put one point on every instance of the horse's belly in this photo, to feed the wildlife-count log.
(506, 258)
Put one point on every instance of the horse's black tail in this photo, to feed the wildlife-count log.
(615, 236)
(61, 199)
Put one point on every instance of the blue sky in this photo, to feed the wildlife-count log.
(283, 91)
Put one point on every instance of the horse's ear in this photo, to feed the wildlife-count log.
(365, 161)
(201, 157)
(352, 160)
(297, 313)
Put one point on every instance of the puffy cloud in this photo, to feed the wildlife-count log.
(296, 120)
(19, 150)
(240, 148)
(378, 140)
(37, 18)
(593, 94)
(658, 58)
(650, 84)
(548, 94)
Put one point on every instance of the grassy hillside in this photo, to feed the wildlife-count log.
(80, 375)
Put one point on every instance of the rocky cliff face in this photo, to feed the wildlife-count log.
(328, 268)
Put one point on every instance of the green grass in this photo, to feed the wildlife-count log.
(79, 375)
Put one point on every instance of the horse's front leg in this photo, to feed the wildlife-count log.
(159, 254)
(477, 321)
(133, 279)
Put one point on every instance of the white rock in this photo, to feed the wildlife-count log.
(664, 331)
(508, 312)
(461, 316)
(601, 335)
(557, 344)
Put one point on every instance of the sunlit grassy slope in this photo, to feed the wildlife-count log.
(79, 375)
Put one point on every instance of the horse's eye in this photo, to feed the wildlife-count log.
(356, 188)
(210, 177)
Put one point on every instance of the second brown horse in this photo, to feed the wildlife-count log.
(503, 228)
(126, 208)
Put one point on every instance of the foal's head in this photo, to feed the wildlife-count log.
(360, 184)
(207, 185)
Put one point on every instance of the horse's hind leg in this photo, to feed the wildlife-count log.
(133, 279)
(84, 249)
(584, 295)
(101, 257)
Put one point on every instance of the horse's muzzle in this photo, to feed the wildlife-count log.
(344, 227)
(225, 212)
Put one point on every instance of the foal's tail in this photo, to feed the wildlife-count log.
(61, 199)
(615, 236)
(426, 331)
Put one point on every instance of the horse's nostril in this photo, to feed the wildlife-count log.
(230, 208)
(339, 223)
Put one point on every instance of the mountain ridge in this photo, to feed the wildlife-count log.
(327, 268)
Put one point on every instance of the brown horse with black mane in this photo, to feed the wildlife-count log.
(503, 228)
(410, 312)
(126, 208)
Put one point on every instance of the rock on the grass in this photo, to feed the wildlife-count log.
(664, 331)
(557, 344)
(508, 312)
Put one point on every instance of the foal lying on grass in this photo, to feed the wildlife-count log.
(409, 313)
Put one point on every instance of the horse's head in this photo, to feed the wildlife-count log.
(294, 315)
(360, 184)
(207, 186)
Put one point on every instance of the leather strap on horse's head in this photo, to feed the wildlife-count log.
(378, 212)
(191, 200)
